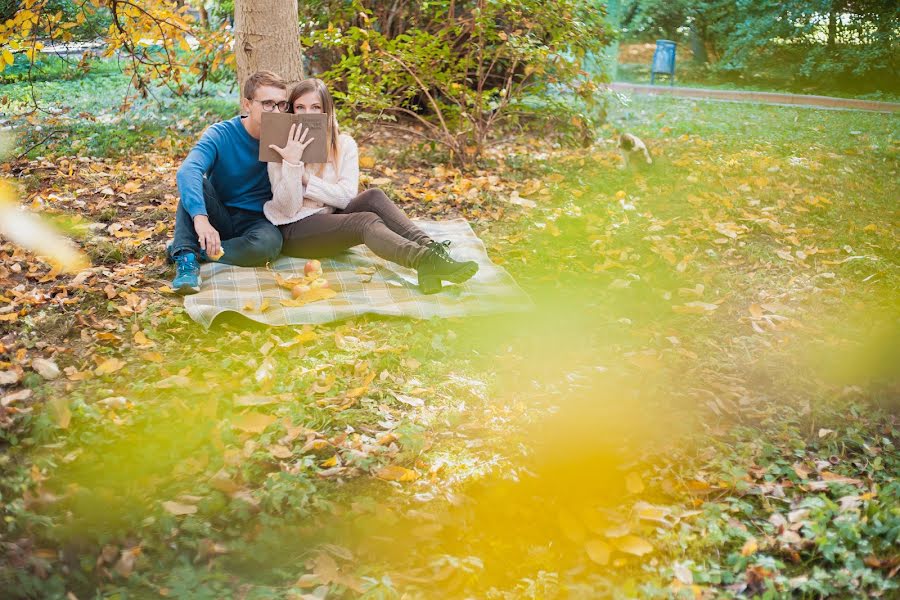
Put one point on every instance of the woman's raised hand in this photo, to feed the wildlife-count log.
(292, 151)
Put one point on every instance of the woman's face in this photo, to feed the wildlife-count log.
(308, 103)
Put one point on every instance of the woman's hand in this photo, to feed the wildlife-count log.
(292, 151)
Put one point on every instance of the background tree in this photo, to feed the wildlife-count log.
(844, 39)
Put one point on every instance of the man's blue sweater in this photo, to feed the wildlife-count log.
(229, 157)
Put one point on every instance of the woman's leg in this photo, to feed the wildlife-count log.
(376, 201)
(323, 235)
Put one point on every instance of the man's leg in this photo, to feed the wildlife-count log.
(185, 236)
(255, 240)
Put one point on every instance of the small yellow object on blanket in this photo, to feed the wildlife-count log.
(217, 256)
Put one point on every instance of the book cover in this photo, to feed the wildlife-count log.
(275, 129)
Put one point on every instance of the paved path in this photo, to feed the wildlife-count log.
(761, 97)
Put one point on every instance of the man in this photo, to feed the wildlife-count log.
(223, 186)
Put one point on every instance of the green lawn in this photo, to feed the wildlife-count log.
(703, 403)
(775, 79)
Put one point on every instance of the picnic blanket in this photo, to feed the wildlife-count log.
(389, 290)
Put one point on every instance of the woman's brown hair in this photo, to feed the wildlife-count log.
(332, 132)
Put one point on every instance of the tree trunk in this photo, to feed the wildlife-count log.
(832, 27)
(267, 37)
(698, 46)
(204, 15)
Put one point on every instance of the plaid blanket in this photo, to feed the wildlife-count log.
(364, 283)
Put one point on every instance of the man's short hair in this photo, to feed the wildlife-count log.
(262, 79)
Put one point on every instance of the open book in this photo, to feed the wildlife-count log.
(275, 129)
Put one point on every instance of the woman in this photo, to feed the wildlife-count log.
(320, 212)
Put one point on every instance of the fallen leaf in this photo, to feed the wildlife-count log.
(279, 451)
(409, 400)
(110, 365)
(125, 564)
(142, 341)
(598, 551)
(14, 397)
(253, 422)
(632, 544)
(10, 376)
(310, 296)
(749, 547)
(396, 473)
(254, 400)
(174, 381)
(46, 368)
(695, 308)
(178, 509)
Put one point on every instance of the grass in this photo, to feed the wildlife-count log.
(773, 80)
(702, 405)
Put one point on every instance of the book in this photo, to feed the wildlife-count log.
(275, 129)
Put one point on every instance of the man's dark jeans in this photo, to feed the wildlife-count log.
(248, 238)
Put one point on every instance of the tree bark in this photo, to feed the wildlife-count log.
(267, 37)
(698, 45)
(832, 27)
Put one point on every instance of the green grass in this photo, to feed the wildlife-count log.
(539, 433)
(772, 80)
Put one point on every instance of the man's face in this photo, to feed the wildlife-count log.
(264, 97)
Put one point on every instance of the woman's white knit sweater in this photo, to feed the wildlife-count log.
(333, 190)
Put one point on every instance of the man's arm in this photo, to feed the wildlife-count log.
(198, 163)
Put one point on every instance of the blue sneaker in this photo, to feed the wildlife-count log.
(171, 259)
(187, 274)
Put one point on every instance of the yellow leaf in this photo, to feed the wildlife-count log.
(366, 162)
(870, 227)
(142, 340)
(633, 483)
(131, 187)
(52, 274)
(750, 547)
(396, 473)
(8, 57)
(110, 365)
(598, 551)
(328, 463)
(310, 296)
(178, 509)
(648, 512)
(152, 357)
(253, 422)
(632, 544)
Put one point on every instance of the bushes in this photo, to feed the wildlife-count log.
(852, 42)
(457, 70)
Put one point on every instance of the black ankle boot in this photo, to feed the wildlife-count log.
(437, 265)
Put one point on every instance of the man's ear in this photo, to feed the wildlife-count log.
(245, 106)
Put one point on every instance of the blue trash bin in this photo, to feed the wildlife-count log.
(663, 60)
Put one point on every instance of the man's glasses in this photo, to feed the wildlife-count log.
(269, 105)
